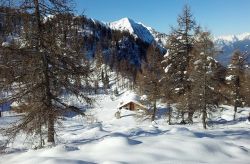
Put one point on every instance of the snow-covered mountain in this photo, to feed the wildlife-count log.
(139, 30)
(233, 38)
(227, 44)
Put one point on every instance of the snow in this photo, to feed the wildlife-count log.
(197, 62)
(101, 138)
(233, 38)
(167, 68)
(123, 24)
(8, 41)
(15, 104)
(209, 58)
(136, 29)
(167, 54)
(144, 97)
(139, 30)
(6, 44)
(130, 97)
(227, 44)
(48, 17)
(230, 77)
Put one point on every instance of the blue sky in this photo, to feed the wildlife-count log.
(221, 17)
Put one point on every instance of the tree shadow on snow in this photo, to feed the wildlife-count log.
(236, 133)
(128, 115)
(130, 137)
(70, 161)
(226, 122)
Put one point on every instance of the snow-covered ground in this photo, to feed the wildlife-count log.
(101, 138)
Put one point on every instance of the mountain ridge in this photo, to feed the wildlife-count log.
(228, 44)
(139, 30)
(233, 38)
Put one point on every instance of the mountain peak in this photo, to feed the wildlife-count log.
(126, 19)
(138, 30)
(124, 24)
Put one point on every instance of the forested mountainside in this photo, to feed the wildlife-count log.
(114, 43)
(127, 39)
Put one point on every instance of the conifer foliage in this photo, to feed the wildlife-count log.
(202, 74)
(236, 78)
(151, 76)
(41, 66)
(176, 61)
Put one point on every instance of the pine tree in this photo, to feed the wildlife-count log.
(43, 67)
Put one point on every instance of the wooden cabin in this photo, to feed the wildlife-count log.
(132, 105)
(131, 101)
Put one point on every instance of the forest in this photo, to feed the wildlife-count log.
(47, 53)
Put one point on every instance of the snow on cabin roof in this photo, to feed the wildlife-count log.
(130, 97)
(122, 104)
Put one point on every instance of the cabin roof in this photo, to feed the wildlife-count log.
(122, 104)
(130, 97)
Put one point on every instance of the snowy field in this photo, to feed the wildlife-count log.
(101, 138)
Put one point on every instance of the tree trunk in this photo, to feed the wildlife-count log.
(154, 111)
(169, 113)
(190, 110)
(204, 116)
(237, 94)
(40, 136)
(190, 116)
(47, 93)
(0, 114)
(204, 112)
(40, 130)
(182, 116)
(235, 110)
(169, 116)
(51, 130)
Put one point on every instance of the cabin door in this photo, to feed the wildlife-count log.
(132, 106)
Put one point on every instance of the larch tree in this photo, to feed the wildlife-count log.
(176, 63)
(235, 78)
(151, 76)
(168, 84)
(202, 75)
(246, 84)
(99, 62)
(42, 65)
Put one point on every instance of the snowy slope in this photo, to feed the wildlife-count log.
(101, 138)
(139, 30)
